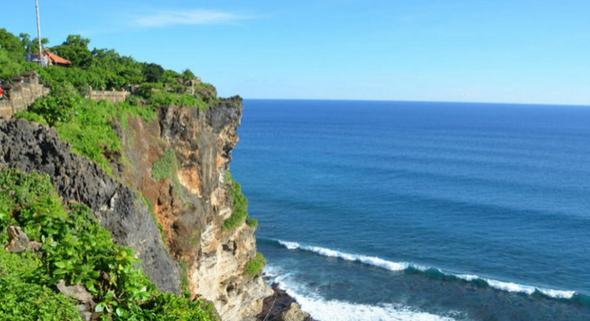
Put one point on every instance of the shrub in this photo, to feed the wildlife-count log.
(252, 222)
(22, 299)
(255, 266)
(239, 208)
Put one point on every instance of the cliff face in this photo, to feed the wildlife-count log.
(179, 164)
(192, 204)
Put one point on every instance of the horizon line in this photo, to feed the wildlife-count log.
(424, 101)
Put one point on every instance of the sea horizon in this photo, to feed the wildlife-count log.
(420, 101)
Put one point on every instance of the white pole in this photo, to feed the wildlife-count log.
(39, 34)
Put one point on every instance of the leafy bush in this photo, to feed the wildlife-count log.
(77, 249)
(22, 299)
(252, 222)
(239, 207)
(59, 106)
(255, 266)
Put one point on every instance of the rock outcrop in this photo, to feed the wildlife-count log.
(193, 203)
(190, 200)
(34, 147)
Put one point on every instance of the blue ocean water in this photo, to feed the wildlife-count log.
(421, 211)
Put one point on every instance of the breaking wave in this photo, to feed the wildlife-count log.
(336, 310)
(403, 266)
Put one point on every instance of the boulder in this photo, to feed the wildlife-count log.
(293, 313)
(18, 240)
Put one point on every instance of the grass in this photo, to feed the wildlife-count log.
(255, 266)
(86, 124)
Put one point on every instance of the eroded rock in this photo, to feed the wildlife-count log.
(18, 240)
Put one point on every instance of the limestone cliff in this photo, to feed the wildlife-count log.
(193, 203)
(179, 163)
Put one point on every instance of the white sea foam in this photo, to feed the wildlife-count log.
(520, 288)
(290, 245)
(388, 265)
(510, 287)
(467, 277)
(335, 310)
(369, 260)
(559, 294)
(395, 266)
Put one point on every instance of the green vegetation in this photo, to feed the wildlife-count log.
(84, 123)
(239, 208)
(23, 299)
(167, 167)
(252, 222)
(77, 249)
(255, 266)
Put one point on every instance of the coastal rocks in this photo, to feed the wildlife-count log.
(282, 307)
(293, 313)
(34, 147)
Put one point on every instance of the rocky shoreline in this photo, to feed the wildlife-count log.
(282, 307)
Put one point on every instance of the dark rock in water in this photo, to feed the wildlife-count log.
(293, 313)
(34, 147)
(282, 307)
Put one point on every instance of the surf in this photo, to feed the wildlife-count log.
(432, 271)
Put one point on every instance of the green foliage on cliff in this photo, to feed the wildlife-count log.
(23, 299)
(255, 266)
(239, 208)
(84, 123)
(78, 250)
(167, 167)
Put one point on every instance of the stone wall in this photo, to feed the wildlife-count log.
(111, 96)
(23, 91)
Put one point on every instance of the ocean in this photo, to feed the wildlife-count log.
(421, 211)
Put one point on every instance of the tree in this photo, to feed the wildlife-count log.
(75, 49)
(152, 72)
(12, 45)
(31, 45)
(187, 74)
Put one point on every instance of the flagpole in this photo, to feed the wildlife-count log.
(39, 34)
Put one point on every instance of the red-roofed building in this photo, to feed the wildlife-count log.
(52, 59)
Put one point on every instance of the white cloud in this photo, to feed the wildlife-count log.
(190, 17)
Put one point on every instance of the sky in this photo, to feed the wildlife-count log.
(505, 51)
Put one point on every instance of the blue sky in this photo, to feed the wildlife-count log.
(519, 51)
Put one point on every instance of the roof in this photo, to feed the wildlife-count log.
(53, 58)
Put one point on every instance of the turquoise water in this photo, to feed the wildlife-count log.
(421, 211)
